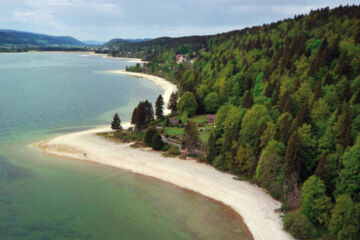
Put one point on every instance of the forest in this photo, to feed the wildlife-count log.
(287, 101)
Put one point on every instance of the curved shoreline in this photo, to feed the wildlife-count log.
(167, 86)
(252, 203)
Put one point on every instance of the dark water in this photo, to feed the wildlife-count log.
(42, 197)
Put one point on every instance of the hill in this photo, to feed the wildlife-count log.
(287, 101)
(27, 39)
(93, 43)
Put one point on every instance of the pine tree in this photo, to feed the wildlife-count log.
(321, 168)
(343, 67)
(346, 91)
(317, 93)
(248, 100)
(301, 118)
(116, 123)
(191, 138)
(334, 50)
(172, 102)
(149, 112)
(159, 106)
(284, 131)
(211, 148)
(320, 59)
(342, 128)
(293, 158)
(328, 80)
(142, 115)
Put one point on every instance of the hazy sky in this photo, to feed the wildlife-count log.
(106, 19)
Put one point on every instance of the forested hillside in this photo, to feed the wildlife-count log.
(12, 40)
(287, 100)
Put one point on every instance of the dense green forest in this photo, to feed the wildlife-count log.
(287, 100)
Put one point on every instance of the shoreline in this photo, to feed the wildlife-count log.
(167, 86)
(90, 53)
(253, 204)
(255, 207)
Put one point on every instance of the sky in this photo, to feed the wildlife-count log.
(103, 20)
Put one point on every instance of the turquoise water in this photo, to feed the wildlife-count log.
(43, 197)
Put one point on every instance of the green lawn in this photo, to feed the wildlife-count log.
(173, 131)
(199, 118)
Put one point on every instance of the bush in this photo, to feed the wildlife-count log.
(299, 226)
(165, 147)
(173, 150)
(149, 135)
(156, 142)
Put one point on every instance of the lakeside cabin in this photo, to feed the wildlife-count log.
(174, 121)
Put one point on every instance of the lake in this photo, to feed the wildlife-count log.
(43, 197)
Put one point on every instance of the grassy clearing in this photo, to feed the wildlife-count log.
(123, 136)
(174, 131)
(200, 119)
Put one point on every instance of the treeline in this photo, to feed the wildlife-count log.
(287, 100)
(151, 49)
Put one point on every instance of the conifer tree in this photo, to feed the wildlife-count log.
(285, 120)
(321, 168)
(292, 158)
(116, 123)
(342, 128)
(343, 67)
(142, 115)
(191, 138)
(317, 93)
(159, 106)
(172, 102)
(248, 100)
(211, 148)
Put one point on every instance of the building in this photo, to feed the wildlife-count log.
(211, 118)
(180, 58)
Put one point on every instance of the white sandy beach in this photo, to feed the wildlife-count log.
(255, 206)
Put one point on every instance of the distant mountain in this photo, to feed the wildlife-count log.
(121, 40)
(19, 38)
(93, 43)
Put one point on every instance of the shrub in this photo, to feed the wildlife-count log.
(156, 142)
(173, 150)
(148, 136)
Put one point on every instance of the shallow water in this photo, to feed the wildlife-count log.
(43, 197)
